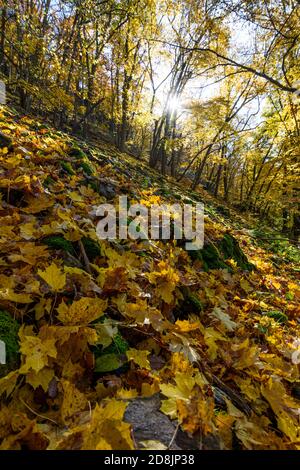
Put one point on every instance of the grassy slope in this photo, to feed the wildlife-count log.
(216, 342)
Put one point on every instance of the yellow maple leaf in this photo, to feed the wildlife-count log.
(293, 287)
(54, 277)
(127, 394)
(7, 281)
(245, 285)
(248, 356)
(28, 231)
(38, 204)
(276, 284)
(139, 357)
(282, 405)
(169, 407)
(62, 334)
(288, 426)
(197, 414)
(106, 331)
(153, 445)
(148, 390)
(182, 390)
(7, 231)
(248, 388)
(41, 378)
(103, 392)
(44, 305)
(141, 312)
(166, 280)
(76, 271)
(107, 430)
(81, 312)
(11, 162)
(8, 383)
(210, 338)
(72, 371)
(64, 214)
(76, 197)
(36, 351)
(73, 400)
(31, 249)
(253, 435)
(9, 294)
(179, 363)
(225, 428)
(127, 260)
(185, 326)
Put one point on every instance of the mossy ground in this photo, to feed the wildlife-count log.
(59, 243)
(91, 247)
(67, 167)
(232, 250)
(81, 161)
(214, 256)
(9, 329)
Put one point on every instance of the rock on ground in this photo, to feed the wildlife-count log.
(149, 423)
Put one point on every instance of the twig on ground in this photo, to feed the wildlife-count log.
(173, 437)
(37, 414)
(85, 258)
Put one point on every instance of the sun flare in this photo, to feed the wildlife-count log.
(174, 104)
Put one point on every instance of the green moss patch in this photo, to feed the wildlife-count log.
(213, 256)
(67, 167)
(86, 167)
(91, 247)
(190, 304)
(57, 242)
(277, 315)
(77, 153)
(231, 250)
(9, 329)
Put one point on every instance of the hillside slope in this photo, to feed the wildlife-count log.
(92, 326)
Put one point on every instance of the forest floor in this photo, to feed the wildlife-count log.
(132, 344)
